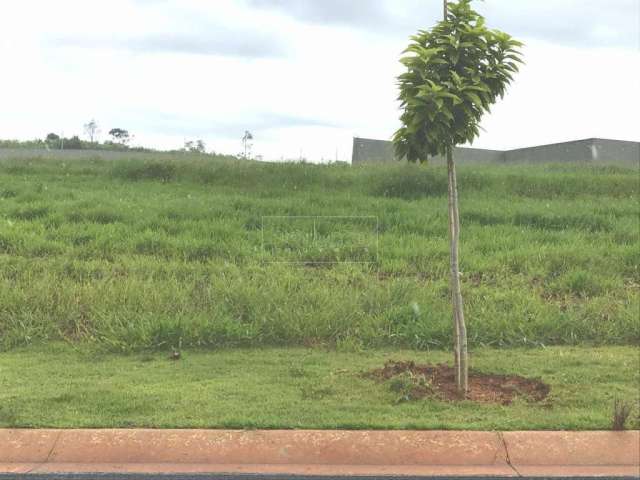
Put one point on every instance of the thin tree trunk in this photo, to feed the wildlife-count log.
(458, 311)
(460, 342)
(452, 235)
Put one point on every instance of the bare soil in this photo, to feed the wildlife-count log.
(483, 387)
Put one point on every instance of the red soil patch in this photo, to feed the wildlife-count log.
(439, 381)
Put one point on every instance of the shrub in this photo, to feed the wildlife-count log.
(154, 170)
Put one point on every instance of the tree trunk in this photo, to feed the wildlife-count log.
(452, 235)
(460, 341)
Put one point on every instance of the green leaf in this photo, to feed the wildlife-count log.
(513, 56)
(474, 98)
(455, 98)
(447, 114)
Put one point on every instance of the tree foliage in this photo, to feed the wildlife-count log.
(73, 143)
(197, 146)
(120, 135)
(455, 72)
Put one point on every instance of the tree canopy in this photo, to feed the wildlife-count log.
(119, 134)
(455, 72)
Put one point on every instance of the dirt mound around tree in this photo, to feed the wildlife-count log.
(416, 381)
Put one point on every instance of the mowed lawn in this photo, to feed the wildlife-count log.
(184, 252)
(63, 386)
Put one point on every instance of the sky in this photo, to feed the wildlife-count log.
(304, 76)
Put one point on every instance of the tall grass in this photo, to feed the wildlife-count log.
(140, 254)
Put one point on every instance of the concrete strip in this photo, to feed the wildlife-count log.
(313, 452)
(17, 468)
(545, 451)
(292, 469)
(26, 446)
(288, 447)
(573, 471)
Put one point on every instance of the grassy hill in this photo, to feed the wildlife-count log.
(131, 255)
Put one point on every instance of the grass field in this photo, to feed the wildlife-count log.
(135, 255)
(59, 386)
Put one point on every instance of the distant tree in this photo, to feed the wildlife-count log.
(52, 140)
(245, 143)
(92, 130)
(73, 143)
(455, 72)
(197, 146)
(120, 135)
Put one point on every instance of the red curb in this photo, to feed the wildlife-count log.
(579, 471)
(316, 470)
(579, 453)
(26, 446)
(17, 468)
(279, 447)
(433, 453)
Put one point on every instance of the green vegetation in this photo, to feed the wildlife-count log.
(54, 142)
(119, 142)
(136, 255)
(300, 388)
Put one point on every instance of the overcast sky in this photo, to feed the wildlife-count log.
(304, 76)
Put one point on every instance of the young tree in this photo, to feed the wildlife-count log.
(200, 147)
(245, 142)
(455, 72)
(91, 129)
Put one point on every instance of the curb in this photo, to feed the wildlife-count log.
(321, 452)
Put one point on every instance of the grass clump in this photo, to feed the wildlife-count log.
(149, 170)
(621, 412)
(409, 386)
